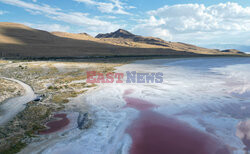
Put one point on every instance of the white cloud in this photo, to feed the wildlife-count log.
(91, 2)
(48, 27)
(196, 23)
(227, 23)
(189, 17)
(114, 6)
(76, 18)
(110, 17)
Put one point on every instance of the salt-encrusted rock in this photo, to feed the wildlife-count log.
(84, 121)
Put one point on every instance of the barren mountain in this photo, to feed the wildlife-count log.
(136, 38)
(125, 37)
(232, 51)
(20, 41)
(120, 33)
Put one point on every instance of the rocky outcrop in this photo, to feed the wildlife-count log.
(120, 33)
(84, 121)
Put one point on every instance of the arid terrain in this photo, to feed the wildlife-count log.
(54, 83)
(200, 98)
(9, 89)
(19, 41)
(46, 101)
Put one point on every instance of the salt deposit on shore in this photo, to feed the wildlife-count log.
(201, 92)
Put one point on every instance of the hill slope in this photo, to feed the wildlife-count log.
(124, 37)
(120, 33)
(19, 41)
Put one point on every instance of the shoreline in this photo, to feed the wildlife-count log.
(107, 103)
(172, 98)
(38, 113)
(101, 58)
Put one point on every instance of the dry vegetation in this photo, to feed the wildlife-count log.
(58, 81)
(9, 89)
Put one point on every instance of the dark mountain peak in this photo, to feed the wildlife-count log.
(120, 33)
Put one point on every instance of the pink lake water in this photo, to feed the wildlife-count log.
(154, 133)
(196, 110)
(56, 125)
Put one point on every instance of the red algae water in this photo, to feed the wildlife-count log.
(56, 125)
(128, 92)
(154, 133)
(138, 103)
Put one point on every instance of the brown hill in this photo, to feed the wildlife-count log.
(80, 36)
(20, 41)
(136, 38)
(232, 51)
(124, 37)
(120, 33)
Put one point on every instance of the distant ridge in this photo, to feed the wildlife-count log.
(121, 33)
(232, 51)
(239, 47)
(20, 41)
(125, 37)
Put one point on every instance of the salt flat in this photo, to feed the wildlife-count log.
(209, 95)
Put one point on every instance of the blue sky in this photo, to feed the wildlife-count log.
(198, 22)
